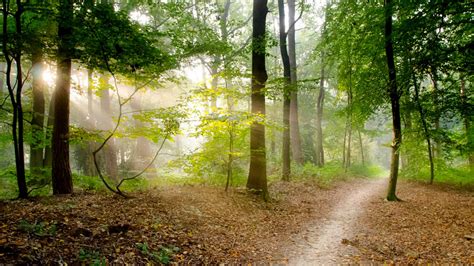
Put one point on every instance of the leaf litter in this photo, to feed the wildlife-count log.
(202, 225)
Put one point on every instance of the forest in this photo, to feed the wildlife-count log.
(300, 132)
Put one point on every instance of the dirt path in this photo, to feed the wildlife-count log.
(323, 243)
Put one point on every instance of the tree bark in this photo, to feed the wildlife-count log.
(395, 103)
(15, 97)
(48, 150)
(91, 124)
(437, 114)
(61, 169)
(319, 160)
(425, 127)
(110, 150)
(349, 127)
(257, 178)
(286, 170)
(142, 150)
(467, 122)
(294, 120)
(37, 123)
(361, 148)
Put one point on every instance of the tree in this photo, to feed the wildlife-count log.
(294, 123)
(61, 169)
(37, 123)
(110, 150)
(257, 178)
(395, 104)
(286, 171)
(13, 54)
(319, 154)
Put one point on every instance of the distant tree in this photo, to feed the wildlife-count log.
(257, 178)
(286, 171)
(319, 155)
(294, 118)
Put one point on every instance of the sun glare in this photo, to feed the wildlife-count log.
(140, 17)
(49, 76)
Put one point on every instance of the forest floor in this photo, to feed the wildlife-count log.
(302, 224)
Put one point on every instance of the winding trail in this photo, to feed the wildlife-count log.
(322, 243)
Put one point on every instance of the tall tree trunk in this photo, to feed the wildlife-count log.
(467, 123)
(62, 176)
(408, 126)
(258, 165)
(425, 127)
(395, 103)
(361, 148)
(229, 98)
(142, 152)
(286, 170)
(437, 113)
(37, 123)
(91, 124)
(319, 160)
(110, 150)
(15, 97)
(2, 81)
(349, 129)
(294, 120)
(214, 82)
(344, 147)
(48, 150)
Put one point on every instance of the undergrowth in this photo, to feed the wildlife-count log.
(460, 176)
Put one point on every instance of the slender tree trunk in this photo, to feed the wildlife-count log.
(37, 123)
(319, 160)
(361, 148)
(437, 114)
(15, 97)
(48, 151)
(214, 83)
(91, 123)
(467, 122)
(349, 114)
(425, 127)
(408, 125)
(349, 129)
(2, 81)
(294, 120)
(110, 150)
(258, 165)
(62, 176)
(395, 103)
(344, 148)
(142, 150)
(230, 159)
(229, 98)
(286, 170)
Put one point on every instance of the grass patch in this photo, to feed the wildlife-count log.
(461, 177)
(332, 172)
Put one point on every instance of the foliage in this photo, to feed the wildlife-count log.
(163, 256)
(39, 229)
(457, 176)
(333, 172)
(92, 257)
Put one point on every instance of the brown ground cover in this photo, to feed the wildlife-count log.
(199, 224)
(433, 224)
